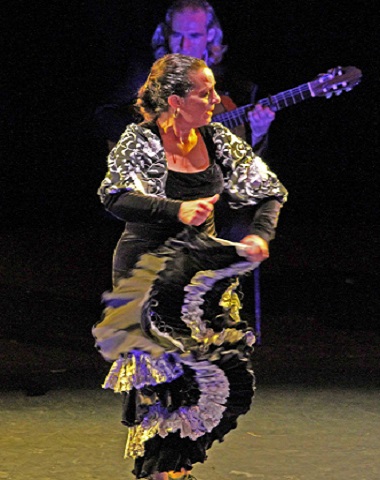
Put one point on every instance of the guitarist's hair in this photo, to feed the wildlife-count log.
(215, 48)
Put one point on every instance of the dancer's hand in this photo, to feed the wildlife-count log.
(195, 212)
(257, 248)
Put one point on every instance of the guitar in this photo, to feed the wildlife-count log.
(334, 82)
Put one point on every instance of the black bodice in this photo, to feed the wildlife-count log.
(190, 186)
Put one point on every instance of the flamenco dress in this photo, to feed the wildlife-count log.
(171, 327)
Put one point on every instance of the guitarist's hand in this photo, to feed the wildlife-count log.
(260, 119)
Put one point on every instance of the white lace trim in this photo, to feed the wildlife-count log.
(193, 421)
(192, 312)
(140, 369)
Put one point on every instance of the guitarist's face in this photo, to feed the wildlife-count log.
(189, 34)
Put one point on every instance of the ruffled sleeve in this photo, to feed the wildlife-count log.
(136, 164)
(134, 187)
(248, 180)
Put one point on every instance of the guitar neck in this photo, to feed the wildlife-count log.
(276, 102)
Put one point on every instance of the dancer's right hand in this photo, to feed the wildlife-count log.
(195, 212)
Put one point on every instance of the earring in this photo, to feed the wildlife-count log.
(176, 112)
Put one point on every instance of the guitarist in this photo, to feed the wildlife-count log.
(191, 28)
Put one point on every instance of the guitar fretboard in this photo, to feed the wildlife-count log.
(276, 102)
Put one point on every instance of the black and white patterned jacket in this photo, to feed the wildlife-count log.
(138, 164)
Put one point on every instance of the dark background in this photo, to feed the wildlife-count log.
(62, 59)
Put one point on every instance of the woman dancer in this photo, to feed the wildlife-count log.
(171, 326)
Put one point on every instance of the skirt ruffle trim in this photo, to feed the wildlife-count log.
(192, 311)
(140, 369)
(183, 327)
(190, 421)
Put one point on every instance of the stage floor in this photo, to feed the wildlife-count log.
(291, 433)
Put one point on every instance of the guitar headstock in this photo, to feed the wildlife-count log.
(335, 81)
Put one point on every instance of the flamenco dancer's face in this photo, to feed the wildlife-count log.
(198, 106)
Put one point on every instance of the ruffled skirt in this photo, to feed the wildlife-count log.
(180, 353)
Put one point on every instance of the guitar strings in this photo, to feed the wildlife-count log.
(236, 117)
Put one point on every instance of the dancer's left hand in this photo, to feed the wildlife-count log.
(257, 248)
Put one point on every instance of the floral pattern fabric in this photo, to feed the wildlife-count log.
(138, 164)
